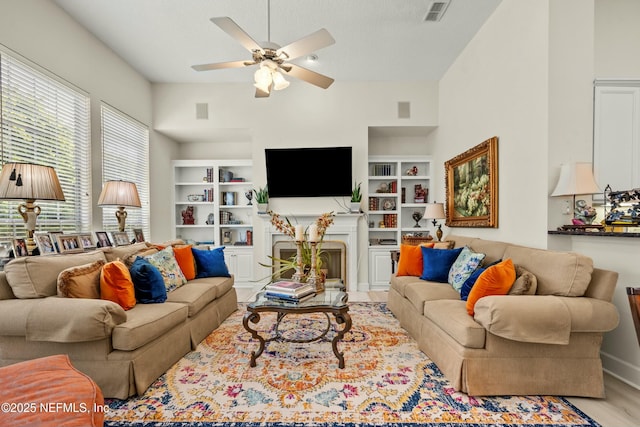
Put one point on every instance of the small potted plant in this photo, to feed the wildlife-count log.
(356, 198)
(262, 199)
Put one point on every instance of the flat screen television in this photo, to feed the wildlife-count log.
(309, 172)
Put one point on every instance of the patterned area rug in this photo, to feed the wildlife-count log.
(387, 381)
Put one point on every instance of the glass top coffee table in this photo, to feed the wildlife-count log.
(327, 302)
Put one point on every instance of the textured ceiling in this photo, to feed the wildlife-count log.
(376, 40)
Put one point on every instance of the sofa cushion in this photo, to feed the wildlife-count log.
(165, 261)
(82, 281)
(437, 263)
(419, 292)
(466, 263)
(73, 320)
(210, 263)
(197, 293)
(557, 273)
(526, 318)
(186, 261)
(146, 322)
(495, 280)
(494, 251)
(399, 283)
(123, 253)
(525, 284)
(410, 262)
(148, 283)
(451, 316)
(37, 276)
(116, 285)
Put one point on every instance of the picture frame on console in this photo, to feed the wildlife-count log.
(46, 244)
(103, 240)
(87, 241)
(19, 248)
(139, 235)
(471, 181)
(120, 238)
(68, 243)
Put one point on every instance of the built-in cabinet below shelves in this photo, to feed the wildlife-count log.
(392, 199)
(215, 191)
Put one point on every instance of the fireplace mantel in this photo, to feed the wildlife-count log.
(344, 228)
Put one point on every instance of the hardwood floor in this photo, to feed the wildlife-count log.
(620, 407)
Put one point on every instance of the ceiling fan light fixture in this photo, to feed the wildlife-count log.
(279, 82)
(263, 78)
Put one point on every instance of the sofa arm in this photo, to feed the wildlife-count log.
(591, 314)
(541, 319)
(73, 319)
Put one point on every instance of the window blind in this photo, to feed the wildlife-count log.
(125, 156)
(47, 122)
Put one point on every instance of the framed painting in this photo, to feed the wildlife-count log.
(471, 179)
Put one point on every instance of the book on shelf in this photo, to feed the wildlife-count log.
(289, 288)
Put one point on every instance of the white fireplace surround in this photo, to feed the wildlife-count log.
(344, 229)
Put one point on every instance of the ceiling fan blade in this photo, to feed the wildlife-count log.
(310, 76)
(308, 44)
(229, 26)
(221, 65)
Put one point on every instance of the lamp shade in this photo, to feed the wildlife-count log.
(28, 181)
(119, 193)
(434, 211)
(576, 178)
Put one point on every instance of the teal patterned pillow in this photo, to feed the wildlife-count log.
(466, 263)
(165, 261)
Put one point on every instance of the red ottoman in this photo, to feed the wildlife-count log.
(49, 392)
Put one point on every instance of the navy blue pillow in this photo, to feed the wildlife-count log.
(436, 263)
(471, 280)
(210, 263)
(148, 283)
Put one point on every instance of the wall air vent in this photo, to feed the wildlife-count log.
(436, 10)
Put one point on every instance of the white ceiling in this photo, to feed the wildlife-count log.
(376, 40)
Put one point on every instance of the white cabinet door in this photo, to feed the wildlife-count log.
(240, 264)
(380, 268)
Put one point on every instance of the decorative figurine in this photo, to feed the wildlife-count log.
(249, 196)
(187, 216)
(413, 171)
(417, 216)
(420, 194)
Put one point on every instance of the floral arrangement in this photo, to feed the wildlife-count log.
(317, 230)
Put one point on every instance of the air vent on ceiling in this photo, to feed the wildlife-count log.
(436, 10)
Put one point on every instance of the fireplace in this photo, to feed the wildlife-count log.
(333, 255)
(341, 239)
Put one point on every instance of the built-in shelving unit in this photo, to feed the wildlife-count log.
(214, 190)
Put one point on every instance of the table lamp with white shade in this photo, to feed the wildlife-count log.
(121, 194)
(29, 182)
(576, 179)
(435, 211)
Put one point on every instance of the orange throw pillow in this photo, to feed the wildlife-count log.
(410, 263)
(495, 280)
(186, 261)
(116, 285)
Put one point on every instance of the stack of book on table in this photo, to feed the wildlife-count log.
(289, 291)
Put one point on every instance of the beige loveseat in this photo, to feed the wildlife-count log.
(122, 351)
(542, 344)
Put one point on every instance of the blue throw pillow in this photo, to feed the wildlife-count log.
(210, 263)
(436, 263)
(148, 283)
(468, 284)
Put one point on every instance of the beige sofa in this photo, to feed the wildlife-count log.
(542, 344)
(122, 351)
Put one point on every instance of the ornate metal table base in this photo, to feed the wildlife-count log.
(340, 314)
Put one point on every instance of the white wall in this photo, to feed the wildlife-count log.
(617, 36)
(44, 34)
(302, 115)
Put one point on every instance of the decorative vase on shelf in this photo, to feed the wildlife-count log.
(262, 207)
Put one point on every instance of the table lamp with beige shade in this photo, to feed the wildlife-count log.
(121, 194)
(576, 179)
(29, 182)
(435, 211)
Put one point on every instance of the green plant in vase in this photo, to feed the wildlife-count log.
(356, 198)
(262, 199)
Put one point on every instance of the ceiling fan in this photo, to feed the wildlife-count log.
(272, 58)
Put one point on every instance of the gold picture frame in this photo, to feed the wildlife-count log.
(471, 181)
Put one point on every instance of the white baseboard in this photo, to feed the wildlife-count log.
(622, 370)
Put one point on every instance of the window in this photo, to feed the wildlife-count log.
(45, 121)
(125, 156)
